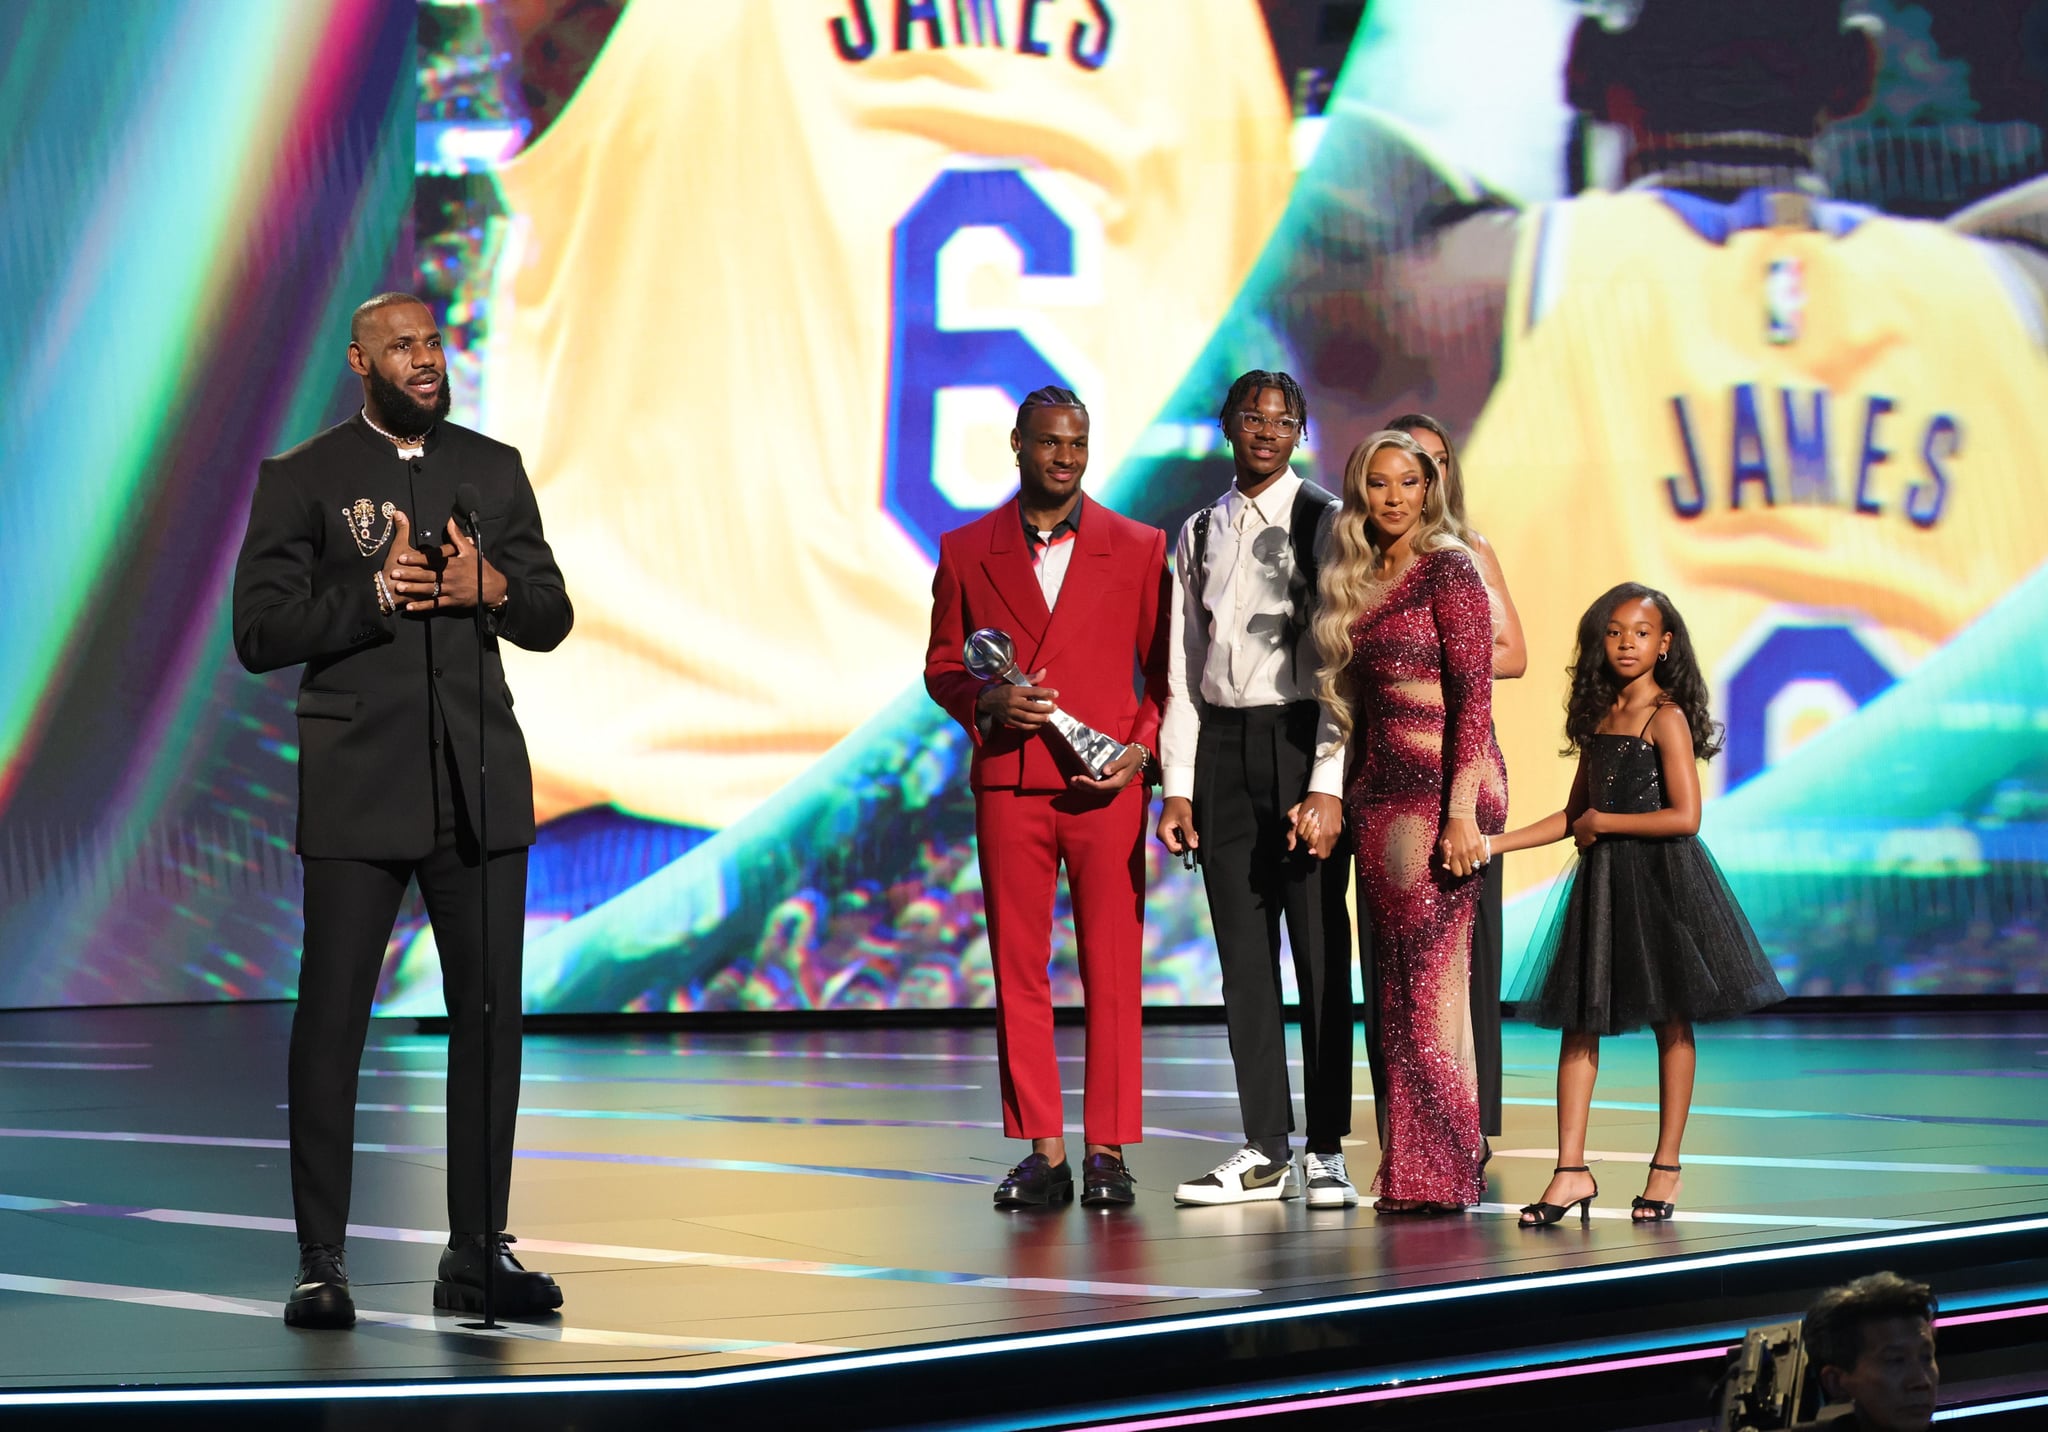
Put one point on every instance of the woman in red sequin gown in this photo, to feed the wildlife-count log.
(1406, 638)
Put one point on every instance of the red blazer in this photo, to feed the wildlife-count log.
(1108, 628)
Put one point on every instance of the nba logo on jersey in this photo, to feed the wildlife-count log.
(1784, 300)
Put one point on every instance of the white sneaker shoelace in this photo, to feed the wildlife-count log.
(1239, 1164)
(1319, 1166)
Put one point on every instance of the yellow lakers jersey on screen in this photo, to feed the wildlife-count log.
(1778, 426)
(774, 284)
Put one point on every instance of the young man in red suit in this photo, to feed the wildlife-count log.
(1081, 591)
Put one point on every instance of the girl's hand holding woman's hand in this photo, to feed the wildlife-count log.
(1589, 827)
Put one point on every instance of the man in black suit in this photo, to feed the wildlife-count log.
(358, 564)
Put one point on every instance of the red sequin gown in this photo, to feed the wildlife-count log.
(1422, 677)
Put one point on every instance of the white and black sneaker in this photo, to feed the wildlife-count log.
(1244, 1177)
(1329, 1186)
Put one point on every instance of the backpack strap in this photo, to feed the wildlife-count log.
(1311, 503)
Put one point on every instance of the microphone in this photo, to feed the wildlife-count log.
(466, 504)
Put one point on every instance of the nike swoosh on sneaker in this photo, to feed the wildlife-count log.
(1252, 1179)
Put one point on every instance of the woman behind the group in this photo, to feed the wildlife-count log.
(1643, 930)
(1406, 643)
(1510, 660)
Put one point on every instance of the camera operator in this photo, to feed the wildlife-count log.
(1871, 1343)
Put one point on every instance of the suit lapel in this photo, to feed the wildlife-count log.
(1008, 565)
(1087, 572)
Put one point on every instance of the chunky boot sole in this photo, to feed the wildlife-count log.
(509, 1302)
(330, 1310)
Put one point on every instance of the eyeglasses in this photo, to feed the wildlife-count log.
(1253, 422)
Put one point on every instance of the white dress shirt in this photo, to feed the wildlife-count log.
(1247, 660)
(1051, 554)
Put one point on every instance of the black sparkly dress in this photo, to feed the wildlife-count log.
(1641, 930)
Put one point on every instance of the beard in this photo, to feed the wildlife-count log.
(402, 413)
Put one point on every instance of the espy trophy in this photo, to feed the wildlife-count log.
(992, 656)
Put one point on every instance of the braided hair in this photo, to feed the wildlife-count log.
(1047, 397)
(1250, 385)
(1595, 686)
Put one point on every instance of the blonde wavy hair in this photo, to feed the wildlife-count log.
(1349, 581)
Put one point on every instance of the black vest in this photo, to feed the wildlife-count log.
(1310, 503)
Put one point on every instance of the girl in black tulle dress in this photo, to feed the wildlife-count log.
(1643, 929)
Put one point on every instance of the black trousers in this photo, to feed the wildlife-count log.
(1250, 766)
(1485, 996)
(351, 906)
(1486, 931)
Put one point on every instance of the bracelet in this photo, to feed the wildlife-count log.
(385, 603)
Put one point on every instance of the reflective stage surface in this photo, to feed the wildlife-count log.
(738, 1201)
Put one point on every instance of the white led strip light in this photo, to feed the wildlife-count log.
(1075, 1337)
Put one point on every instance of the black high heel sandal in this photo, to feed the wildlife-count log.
(1549, 1213)
(1660, 1210)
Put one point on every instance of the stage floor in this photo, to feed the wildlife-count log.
(725, 1200)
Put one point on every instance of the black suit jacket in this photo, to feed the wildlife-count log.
(303, 593)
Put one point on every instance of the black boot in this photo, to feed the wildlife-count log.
(320, 1299)
(515, 1292)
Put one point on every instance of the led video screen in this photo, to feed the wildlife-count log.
(755, 289)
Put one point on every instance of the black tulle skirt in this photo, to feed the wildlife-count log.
(1642, 932)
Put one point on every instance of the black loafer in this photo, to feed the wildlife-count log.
(1035, 1183)
(515, 1292)
(320, 1298)
(1106, 1182)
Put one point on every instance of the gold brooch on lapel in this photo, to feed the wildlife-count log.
(361, 518)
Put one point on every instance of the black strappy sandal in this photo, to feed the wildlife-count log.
(1660, 1210)
(1549, 1213)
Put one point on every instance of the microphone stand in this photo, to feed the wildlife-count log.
(483, 842)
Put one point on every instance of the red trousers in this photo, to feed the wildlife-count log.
(1024, 837)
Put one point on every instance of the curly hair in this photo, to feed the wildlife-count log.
(1454, 475)
(1349, 580)
(1833, 1330)
(1595, 686)
(1250, 385)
